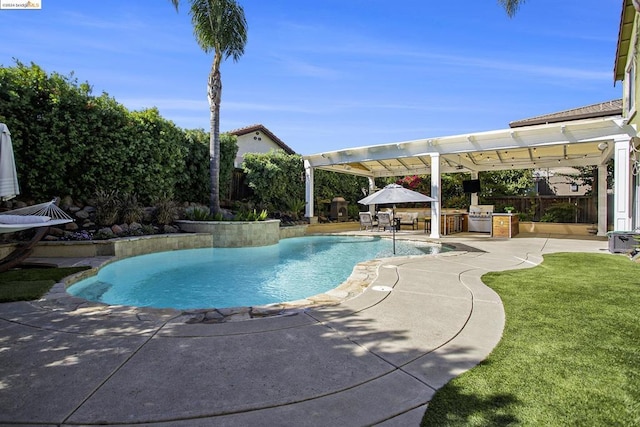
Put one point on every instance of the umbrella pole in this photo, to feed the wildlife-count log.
(393, 229)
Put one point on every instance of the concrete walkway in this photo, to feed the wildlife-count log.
(376, 359)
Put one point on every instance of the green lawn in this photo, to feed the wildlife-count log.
(569, 355)
(32, 283)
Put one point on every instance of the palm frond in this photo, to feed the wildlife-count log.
(511, 6)
(220, 25)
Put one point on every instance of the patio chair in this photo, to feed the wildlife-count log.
(384, 220)
(366, 221)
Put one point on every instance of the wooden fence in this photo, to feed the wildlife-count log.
(534, 208)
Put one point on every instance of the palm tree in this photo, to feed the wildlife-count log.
(511, 6)
(219, 26)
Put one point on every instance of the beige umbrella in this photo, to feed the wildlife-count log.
(8, 175)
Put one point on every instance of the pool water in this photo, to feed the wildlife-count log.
(293, 269)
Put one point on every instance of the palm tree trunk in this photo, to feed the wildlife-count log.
(215, 94)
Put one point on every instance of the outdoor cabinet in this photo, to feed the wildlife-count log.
(505, 225)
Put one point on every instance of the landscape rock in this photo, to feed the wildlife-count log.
(82, 214)
(107, 232)
(56, 232)
(171, 229)
(66, 203)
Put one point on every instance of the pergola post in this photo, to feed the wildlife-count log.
(474, 196)
(308, 190)
(602, 200)
(372, 187)
(436, 194)
(622, 182)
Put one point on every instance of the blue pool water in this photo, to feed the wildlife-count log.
(293, 269)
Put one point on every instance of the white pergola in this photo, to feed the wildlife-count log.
(571, 143)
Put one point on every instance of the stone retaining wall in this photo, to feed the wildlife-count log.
(122, 247)
(236, 234)
(293, 231)
(259, 233)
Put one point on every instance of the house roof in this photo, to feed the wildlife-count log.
(624, 38)
(602, 109)
(260, 128)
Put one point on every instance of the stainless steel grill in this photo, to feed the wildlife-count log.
(480, 217)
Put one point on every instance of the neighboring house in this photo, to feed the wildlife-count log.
(565, 181)
(625, 66)
(257, 139)
(626, 70)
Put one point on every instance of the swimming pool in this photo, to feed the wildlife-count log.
(293, 269)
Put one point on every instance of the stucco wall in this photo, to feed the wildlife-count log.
(247, 144)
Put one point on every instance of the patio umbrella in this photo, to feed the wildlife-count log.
(8, 175)
(392, 194)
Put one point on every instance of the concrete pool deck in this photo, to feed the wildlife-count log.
(376, 359)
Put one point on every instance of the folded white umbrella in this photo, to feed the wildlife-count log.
(8, 175)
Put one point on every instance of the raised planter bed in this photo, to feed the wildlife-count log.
(122, 247)
(570, 229)
(235, 234)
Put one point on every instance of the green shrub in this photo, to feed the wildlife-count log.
(251, 216)
(295, 207)
(353, 211)
(81, 142)
(129, 208)
(560, 212)
(166, 210)
(198, 213)
(148, 229)
(107, 204)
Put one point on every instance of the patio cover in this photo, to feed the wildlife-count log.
(572, 143)
(575, 143)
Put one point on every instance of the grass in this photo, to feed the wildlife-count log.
(570, 351)
(31, 284)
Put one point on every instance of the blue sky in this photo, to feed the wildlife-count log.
(331, 74)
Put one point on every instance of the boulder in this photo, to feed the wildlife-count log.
(71, 226)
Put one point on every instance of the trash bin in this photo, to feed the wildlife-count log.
(623, 241)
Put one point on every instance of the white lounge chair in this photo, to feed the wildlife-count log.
(366, 221)
(385, 220)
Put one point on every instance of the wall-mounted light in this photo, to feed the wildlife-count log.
(603, 146)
